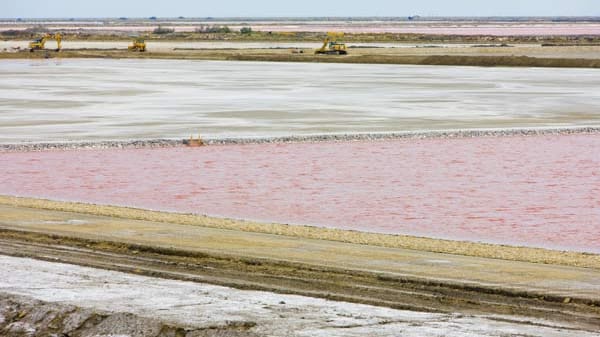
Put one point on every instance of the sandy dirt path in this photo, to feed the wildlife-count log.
(549, 279)
(195, 306)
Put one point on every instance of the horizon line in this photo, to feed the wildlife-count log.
(314, 17)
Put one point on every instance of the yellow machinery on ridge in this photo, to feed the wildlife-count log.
(331, 46)
(40, 44)
(139, 44)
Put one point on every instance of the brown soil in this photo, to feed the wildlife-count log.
(296, 278)
(577, 57)
(177, 247)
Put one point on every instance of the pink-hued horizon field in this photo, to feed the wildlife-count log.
(465, 29)
(541, 191)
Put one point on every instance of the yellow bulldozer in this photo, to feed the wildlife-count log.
(40, 44)
(331, 46)
(139, 44)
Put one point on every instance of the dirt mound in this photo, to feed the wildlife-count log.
(23, 316)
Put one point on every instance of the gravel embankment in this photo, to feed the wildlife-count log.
(158, 143)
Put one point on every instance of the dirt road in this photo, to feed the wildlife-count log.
(526, 56)
(394, 278)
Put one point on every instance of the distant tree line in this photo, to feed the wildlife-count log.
(212, 29)
(163, 30)
(220, 29)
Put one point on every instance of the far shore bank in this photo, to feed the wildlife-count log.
(479, 57)
(174, 142)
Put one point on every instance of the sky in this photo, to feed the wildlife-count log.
(266, 8)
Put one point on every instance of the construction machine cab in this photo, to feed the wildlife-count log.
(40, 43)
(139, 44)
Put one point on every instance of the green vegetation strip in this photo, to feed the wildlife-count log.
(525, 254)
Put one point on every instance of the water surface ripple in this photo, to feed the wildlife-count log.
(541, 191)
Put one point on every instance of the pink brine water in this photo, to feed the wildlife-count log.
(541, 191)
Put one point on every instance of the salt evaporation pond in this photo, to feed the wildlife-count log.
(541, 191)
(77, 99)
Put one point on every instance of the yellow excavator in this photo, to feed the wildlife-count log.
(138, 45)
(331, 46)
(40, 44)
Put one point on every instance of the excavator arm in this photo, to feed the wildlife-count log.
(58, 38)
(325, 43)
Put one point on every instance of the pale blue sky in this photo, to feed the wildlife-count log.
(263, 8)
